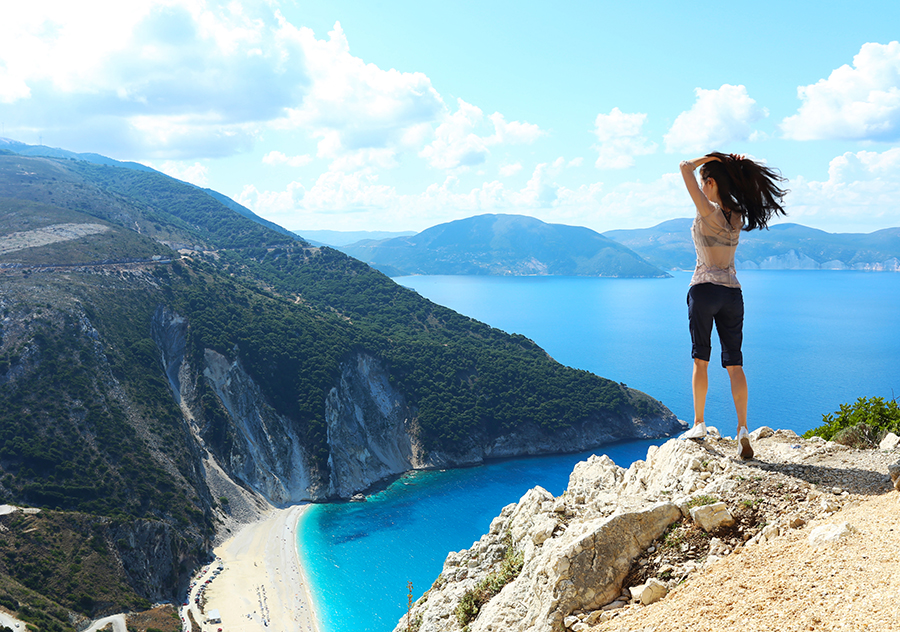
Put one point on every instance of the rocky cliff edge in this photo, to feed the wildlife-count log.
(619, 539)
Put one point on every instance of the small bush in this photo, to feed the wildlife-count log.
(876, 413)
(472, 601)
(861, 436)
(699, 501)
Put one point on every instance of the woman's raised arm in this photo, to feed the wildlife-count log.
(704, 206)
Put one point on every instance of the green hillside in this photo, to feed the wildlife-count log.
(90, 430)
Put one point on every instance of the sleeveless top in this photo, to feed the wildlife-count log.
(715, 241)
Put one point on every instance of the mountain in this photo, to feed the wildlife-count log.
(338, 238)
(782, 247)
(42, 151)
(24, 149)
(169, 365)
(503, 245)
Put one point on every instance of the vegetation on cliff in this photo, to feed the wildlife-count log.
(89, 427)
(861, 424)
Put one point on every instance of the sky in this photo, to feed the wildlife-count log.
(399, 115)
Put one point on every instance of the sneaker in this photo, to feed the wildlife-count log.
(697, 432)
(745, 450)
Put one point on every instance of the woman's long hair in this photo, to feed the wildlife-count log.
(748, 187)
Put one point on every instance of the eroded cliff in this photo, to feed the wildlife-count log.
(372, 429)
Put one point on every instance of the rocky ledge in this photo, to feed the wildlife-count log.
(620, 539)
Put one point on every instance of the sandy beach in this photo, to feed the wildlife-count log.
(261, 585)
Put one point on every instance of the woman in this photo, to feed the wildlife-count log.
(734, 193)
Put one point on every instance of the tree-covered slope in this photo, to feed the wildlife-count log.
(467, 379)
(504, 245)
(108, 417)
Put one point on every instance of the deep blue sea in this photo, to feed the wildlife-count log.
(812, 340)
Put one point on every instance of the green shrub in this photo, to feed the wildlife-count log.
(878, 415)
(699, 501)
(472, 601)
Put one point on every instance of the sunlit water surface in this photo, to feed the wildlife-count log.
(812, 340)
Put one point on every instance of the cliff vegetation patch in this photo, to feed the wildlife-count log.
(473, 600)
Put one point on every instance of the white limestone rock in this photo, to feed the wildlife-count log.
(581, 569)
(890, 442)
(894, 471)
(828, 533)
(712, 517)
(763, 432)
(654, 590)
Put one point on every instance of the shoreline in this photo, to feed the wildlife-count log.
(262, 585)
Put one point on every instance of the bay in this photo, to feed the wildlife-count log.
(812, 340)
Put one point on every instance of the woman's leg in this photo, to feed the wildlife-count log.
(740, 394)
(700, 385)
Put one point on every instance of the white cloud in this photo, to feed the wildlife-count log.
(858, 103)
(457, 143)
(514, 132)
(278, 158)
(510, 169)
(620, 139)
(195, 173)
(860, 194)
(334, 194)
(12, 88)
(352, 105)
(717, 118)
(165, 78)
(345, 200)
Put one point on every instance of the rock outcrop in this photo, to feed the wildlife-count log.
(617, 537)
(372, 430)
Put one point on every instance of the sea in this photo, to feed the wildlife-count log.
(812, 341)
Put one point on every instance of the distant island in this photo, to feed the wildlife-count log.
(504, 245)
(782, 247)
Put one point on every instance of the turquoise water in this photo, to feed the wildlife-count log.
(812, 340)
(359, 556)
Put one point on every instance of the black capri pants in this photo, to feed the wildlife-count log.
(708, 303)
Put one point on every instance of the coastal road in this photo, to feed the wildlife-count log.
(199, 585)
(117, 620)
(11, 622)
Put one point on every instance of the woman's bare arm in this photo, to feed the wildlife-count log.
(704, 206)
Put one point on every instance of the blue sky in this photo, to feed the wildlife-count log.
(357, 115)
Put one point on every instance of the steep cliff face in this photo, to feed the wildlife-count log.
(265, 449)
(372, 430)
(253, 444)
(155, 559)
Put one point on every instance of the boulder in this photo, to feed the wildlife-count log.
(894, 471)
(890, 442)
(582, 569)
(653, 591)
(712, 517)
(827, 533)
(762, 432)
